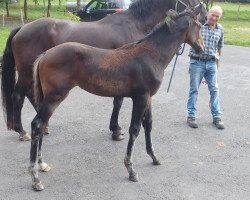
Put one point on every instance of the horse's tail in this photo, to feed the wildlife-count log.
(38, 93)
(8, 81)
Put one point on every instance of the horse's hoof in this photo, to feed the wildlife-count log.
(24, 137)
(156, 162)
(44, 167)
(38, 186)
(133, 178)
(117, 135)
(46, 132)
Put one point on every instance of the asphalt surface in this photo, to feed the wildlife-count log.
(197, 164)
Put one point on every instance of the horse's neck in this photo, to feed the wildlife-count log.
(165, 44)
(147, 19)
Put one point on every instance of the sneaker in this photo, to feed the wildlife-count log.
(191, 122)
(218, 123)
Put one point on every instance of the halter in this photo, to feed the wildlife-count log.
(181, 2)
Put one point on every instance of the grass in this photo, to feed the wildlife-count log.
(37, 11)
(3, 37)
(237, 31)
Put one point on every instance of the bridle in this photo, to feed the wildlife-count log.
(184, 4)
(180, 2)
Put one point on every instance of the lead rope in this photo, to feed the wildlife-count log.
(178, 52)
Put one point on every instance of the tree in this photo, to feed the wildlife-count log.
(49, 7)
(7, 7)
(78, 4)
(208, 4)
(25, 9)
(6, 2)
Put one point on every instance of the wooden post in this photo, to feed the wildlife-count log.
(3, 18)
(21, 15)
(238, 12)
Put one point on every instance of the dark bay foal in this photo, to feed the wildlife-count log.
(135, 70)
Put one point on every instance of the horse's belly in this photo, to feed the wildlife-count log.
(107, 88)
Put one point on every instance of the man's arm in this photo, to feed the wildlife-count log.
(218, 61)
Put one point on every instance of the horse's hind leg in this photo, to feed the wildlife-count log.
(114, 126)
(43, 167)
(147, 124)
(18, 100)
(30, 96)
(139, 106)
(38, 126)
(36, 136)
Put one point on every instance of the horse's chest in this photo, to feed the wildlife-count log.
(155, 83)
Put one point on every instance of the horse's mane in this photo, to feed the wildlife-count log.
(158, 27)
(169, 26)
(142, 8)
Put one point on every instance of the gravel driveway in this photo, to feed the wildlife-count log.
(200, 164)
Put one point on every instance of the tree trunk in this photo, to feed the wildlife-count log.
(44, 8)
(49, 6)
(60, 3)
(25, 10)
(7, 8)
(78, 4)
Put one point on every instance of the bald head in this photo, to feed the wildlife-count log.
(214, 14)
(216, 10)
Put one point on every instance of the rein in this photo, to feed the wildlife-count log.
(178, 52)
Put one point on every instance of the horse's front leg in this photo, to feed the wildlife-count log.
(139, 106)
(147, 124)
(114, 127)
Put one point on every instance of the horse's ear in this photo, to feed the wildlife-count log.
(172, 14)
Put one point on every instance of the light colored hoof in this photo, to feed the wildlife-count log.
(38, 186)
(46, 131)
(24, 137)
(44, 167)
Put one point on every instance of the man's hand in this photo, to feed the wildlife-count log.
(204, 82)
(218, 64)
(218, 61)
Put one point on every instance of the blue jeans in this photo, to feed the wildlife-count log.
(199, 70)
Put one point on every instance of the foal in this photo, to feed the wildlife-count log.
(135, 70)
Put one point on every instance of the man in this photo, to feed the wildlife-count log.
(206, 66)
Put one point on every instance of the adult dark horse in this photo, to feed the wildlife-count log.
(135, 70)
(26, 43)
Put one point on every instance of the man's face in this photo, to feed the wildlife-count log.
(213, 17)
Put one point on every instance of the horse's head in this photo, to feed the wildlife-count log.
(187, 21)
